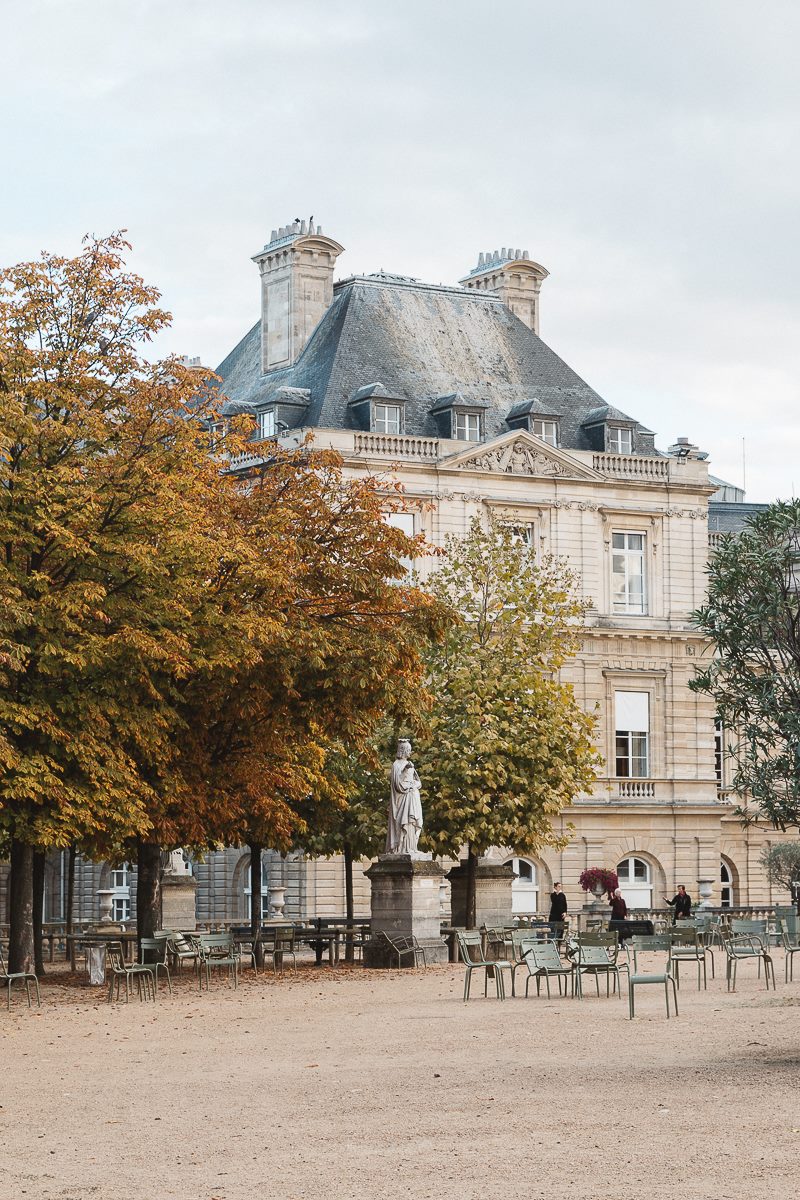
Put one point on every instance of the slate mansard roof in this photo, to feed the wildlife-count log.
(422, 342)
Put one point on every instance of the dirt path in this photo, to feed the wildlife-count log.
(362, 1084)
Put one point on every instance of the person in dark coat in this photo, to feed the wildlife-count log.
(619, 911)
(681, 904)
(558, 910)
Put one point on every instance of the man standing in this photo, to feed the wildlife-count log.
(681, 904)
(558, 910)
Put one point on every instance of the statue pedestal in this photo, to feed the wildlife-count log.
(178, 902)
(405, 903)
(492, 894)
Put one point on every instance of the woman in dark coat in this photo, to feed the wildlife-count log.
(619, 909)
(558, 910)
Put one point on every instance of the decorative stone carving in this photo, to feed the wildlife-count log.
(516, 458)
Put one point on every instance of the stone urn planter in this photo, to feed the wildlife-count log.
(106, 898)
(277, 901)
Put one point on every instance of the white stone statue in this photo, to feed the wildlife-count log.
(177, 864)
(405, 806)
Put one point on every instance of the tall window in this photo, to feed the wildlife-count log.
(719, 753)
(266, 423)
(525, 888)
(632, 712)
(467, 426)
(121, 900)
(522, 534)
(403, 521)
(620, 441)
(248, 892)
(627, 568)
(546, 430)
(387, 418)
(725, 885)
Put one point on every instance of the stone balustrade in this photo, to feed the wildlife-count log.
(636, 789)
(396, 445)
(660, 916)
(631, 466)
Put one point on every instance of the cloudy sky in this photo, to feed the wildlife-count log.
(647, 154)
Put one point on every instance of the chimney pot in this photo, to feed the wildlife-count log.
(294, 295)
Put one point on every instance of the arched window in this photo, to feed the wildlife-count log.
(725, 885)
(636, 882)
(525, 888)
(248, 891)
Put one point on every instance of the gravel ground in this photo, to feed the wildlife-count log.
(353, 1083)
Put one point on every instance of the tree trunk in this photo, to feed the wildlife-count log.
(38, 910)
(68, 916)
(255, 901)
(148, 889)
(472, 879)
(20, 934)
(348, 901)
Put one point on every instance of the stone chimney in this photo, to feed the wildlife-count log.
(296, 269)
(514, 278)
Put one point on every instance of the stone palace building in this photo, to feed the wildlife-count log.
(452, 390)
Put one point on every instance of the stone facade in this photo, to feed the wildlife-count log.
(385, 370)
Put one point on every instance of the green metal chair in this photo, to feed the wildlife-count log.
(687, 947)
(521, 940)
(791, 947)
(658, 943)
(154, 956)
(594, 954)
(787, 913)
(746, 947)
(707, 926)
(283, 946)
(26, 976)
(543, 961)
(470, 943)
(182, 950)
(118, 970)
(405, 946)
(217, 950)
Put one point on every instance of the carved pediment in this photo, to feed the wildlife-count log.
(520, 453)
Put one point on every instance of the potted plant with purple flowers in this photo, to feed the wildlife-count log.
(599, 881)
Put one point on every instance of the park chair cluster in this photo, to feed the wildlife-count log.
(598, 953)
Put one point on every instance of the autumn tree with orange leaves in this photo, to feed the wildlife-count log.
(178, 647)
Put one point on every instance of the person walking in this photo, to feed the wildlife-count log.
(681, 904)
(558, 910)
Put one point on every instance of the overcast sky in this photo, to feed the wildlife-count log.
(647, 154)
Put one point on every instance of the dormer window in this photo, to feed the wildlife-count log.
(266, 424)
(466, 426)
(546, 430)
(375, 409)
(619, 440)
(537, 418)
(217, 431)
(459, 417)
(387, 418)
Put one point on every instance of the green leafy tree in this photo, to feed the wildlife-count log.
(752, 617)
(356, 826)
(781, 865)
(506, 745)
